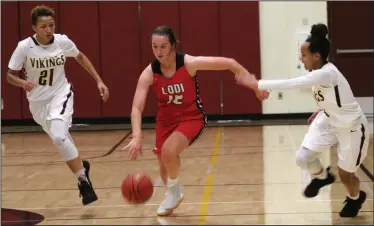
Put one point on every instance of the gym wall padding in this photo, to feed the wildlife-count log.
(120, 56)
(9, 40)
(241, 41)
(80, 22)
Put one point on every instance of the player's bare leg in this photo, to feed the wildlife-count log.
(163, 171)
(355, 198)
(171, 149)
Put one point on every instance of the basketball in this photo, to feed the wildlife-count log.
(137, 188)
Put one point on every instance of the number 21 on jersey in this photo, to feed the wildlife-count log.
(174, 92)
(46, 77)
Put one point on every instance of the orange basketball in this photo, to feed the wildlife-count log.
(137, 188)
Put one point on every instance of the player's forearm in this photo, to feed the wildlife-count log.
(317, 77)
(87, 65)
(15, 80)
(234, 66)
(136, 122)
(282, 84)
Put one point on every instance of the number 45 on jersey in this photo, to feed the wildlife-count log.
(174, 92)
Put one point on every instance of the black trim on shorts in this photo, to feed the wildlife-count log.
(66, 101)
(361, 144)
(337, 96)
(204, 123)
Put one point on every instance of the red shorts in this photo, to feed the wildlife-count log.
(192, 129)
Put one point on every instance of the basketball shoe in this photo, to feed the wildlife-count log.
(86, 190)
(173, 197)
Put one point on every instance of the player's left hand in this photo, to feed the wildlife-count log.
(104, 91)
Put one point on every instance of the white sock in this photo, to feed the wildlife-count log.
(81, 174)
(354, 198)
(172, 182)
(323, 175)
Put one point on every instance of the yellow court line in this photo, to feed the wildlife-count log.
(209, 180)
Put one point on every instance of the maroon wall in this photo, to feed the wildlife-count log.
(201, 37)
(84, 31)
(9, 38)
(116, 38)
(120, 56)
(242, 44)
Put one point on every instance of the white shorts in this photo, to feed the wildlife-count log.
(352, 142)
(60, 107)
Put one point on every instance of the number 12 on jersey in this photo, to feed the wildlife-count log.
(46, 76)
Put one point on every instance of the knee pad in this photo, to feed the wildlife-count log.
(60, 136)
(301, 160)
(308, 160)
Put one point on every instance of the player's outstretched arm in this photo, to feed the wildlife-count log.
(317, 77)
(87, 65)
(196, 63)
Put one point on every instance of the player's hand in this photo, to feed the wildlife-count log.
(249, 80)
(28, 86)
(104, 91)
(262, 94)
(134, 148)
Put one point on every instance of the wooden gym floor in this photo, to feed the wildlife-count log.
(232, 175)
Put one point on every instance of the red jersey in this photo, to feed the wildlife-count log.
(178, 97)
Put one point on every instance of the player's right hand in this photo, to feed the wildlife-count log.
(28, 85)
(134, 148)
(262, 94)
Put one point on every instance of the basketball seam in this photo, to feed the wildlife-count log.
(132, 183)
(138, 189)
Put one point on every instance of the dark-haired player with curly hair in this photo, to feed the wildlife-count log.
(180, 118)
(42, 58)
(339, 119)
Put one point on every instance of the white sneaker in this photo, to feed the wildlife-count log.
(173, 197)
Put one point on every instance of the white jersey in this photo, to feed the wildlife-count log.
(44, 65)
(331, 90)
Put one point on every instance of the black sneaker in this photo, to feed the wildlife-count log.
(313, 187)
(87, 167)
(86, 190)
(352, 207)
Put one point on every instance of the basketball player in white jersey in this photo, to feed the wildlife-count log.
(42, 58)
(339, 119)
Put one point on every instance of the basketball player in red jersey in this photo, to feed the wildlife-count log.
(180, 119)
